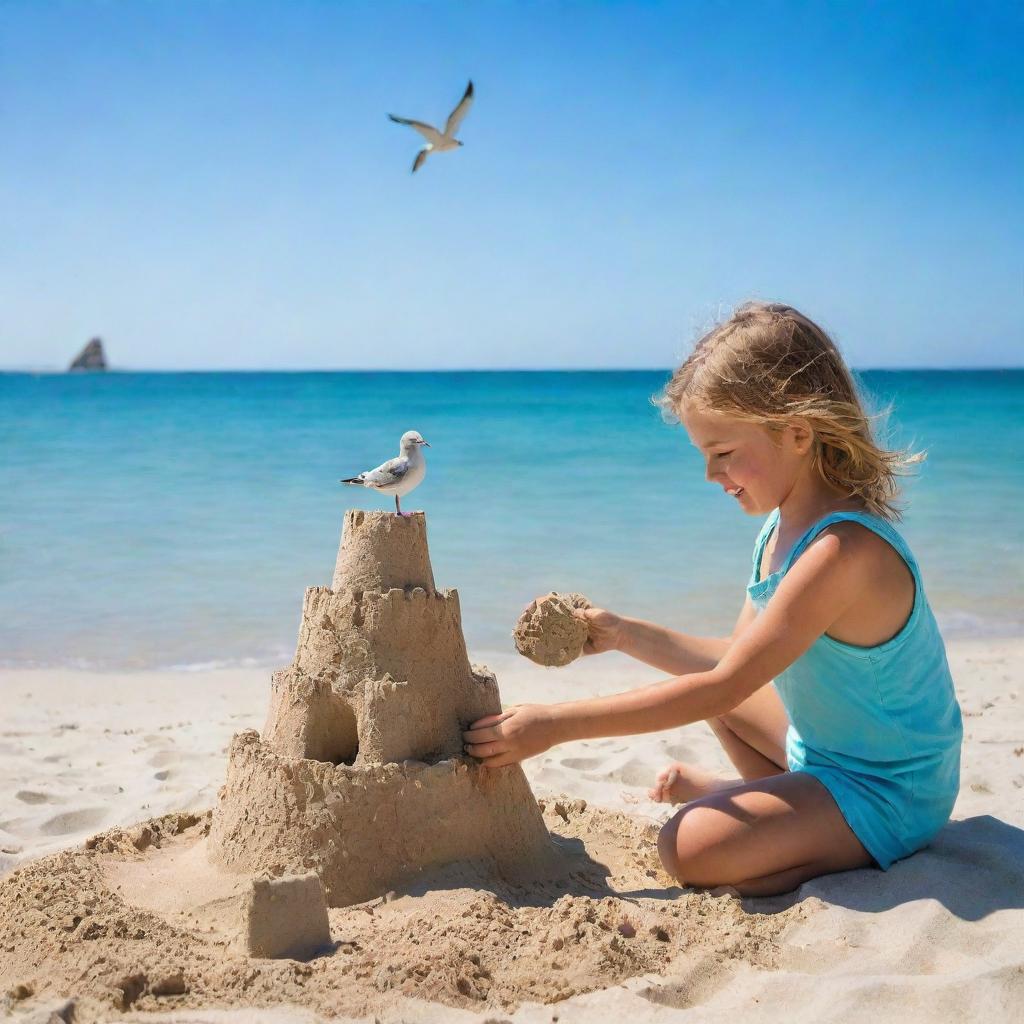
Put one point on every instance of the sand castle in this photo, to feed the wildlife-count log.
(360, 775)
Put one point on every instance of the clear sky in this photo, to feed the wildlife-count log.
(216, 184)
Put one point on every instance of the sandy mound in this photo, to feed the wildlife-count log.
(141, 919)
(548, 633)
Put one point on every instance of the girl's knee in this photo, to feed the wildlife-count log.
(683, 849)
(667, 845)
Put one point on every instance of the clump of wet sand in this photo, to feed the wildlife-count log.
(549, 633)
(141, 919)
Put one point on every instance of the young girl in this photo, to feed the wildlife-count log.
(852, 756)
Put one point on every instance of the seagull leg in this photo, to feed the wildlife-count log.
(398, 507)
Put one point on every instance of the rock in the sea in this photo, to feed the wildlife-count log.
(90, 358)
(548, 632)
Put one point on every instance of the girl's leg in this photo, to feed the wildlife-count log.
(753, 734)
(761, 837)
(750, 762)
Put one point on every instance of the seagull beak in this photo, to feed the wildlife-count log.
(424, 442)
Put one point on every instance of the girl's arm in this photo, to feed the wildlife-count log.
(668, 650)
(662, 648)
(822, 584)
(665, 648)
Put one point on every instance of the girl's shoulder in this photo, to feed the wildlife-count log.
(887, 578)
(874, 562)
(872, 543)
(867, 543)
(863, 535)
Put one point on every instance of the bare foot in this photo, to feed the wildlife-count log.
(681, 782)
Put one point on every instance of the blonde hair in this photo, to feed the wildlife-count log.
(769, 363)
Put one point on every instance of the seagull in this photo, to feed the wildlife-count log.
(397, 476)
(438, 142)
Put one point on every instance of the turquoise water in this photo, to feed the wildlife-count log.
(174, 519)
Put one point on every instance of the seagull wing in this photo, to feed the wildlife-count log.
(387, 474)
(421, 158)
(456, 116)
(428, 132)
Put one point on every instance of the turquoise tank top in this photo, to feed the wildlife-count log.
(879, 726)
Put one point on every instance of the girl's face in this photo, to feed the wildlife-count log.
(757, 468)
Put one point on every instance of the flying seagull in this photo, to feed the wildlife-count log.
(397, 476)
(438, 142)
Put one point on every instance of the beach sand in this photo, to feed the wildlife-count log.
(938, 937)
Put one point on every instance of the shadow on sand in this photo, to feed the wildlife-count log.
(974, 867)
(577, 874)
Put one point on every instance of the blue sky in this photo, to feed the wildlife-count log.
(216, 185)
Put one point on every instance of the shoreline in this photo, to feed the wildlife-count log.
(507, 657)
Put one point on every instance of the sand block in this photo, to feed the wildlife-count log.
(548, 632)
(286, 918)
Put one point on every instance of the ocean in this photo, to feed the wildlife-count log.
(173, 520)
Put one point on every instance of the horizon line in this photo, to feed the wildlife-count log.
(54, 371)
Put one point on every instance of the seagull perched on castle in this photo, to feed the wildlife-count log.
(397, 476)
(438, 142)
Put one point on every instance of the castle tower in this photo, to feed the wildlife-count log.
(359, 774)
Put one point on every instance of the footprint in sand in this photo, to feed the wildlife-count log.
(162, 776)
(679, 752)
(164, 758)
(73, 821)
(634, 773)
(582, 764)
(28, 796)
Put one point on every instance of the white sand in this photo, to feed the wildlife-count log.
(938, 937)
(81, 751)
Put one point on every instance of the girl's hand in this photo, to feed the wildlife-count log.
(521, 731)
(605, 629)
